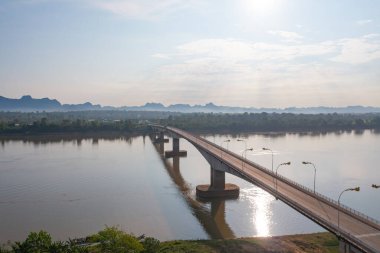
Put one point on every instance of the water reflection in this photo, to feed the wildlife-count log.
(274, 135)
(260, 202)
(76, 138)
(211, 219)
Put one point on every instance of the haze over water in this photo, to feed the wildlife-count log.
(73, 188)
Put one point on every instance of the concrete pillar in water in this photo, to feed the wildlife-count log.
(217, 187)
(161, 138)
(218, 179)
(175, 145)
(176, 151)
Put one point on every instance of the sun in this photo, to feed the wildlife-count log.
(260, 6)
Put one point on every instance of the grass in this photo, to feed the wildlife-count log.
(318, 243)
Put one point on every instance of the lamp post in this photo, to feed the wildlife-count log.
(245, 143)
(315, 171)
(242, 156)
(376, 186)
(346, 190)
(268, 149)
(281, 164)
(221, 151)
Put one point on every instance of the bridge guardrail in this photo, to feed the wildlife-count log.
(338, 231)
(342, 207)
(310, 191)
(357, 241)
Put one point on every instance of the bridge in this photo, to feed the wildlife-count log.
(356, 231)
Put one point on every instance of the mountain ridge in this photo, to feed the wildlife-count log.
(29, 104)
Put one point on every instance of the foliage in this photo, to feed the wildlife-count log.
(151, 245)
(35, 243)
(249, 122)
(41, 242)
(118, 121)
(113, 240)
(109, 240)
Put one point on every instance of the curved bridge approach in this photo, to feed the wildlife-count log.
(356, 231)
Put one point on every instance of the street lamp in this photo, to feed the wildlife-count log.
(242, 155)
(221, 151)
(315, 171)
(281, 164)
(375, 186)
(268, 149)
(245, 143)
(346, 190)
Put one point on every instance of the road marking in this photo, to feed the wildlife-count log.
(367, 235)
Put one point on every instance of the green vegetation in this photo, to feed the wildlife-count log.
(44, 125)
(41, 242)
(318, 242)
(132, 122)
(78, 122)
(113, 240)
(263, 122)
(109, 240)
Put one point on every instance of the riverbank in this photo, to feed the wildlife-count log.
(111, 239)
(317, 242)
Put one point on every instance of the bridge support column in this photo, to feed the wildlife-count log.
(175, 152)
(345, 247)
(161, 138)
(218, 187)
(218, 179)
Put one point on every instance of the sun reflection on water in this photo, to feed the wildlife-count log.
(260, 203)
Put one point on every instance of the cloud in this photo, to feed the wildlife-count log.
(271, 74)
(350, 50)
(238, 50)
(214, 64)
(161, 56)
(364, 22)
(144, 9)
(359, 50)
(287, 36)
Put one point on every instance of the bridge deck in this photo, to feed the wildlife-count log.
(356, 229)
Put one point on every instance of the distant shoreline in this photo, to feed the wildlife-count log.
(117, 134)
(120, 123)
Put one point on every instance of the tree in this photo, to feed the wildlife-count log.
(113, 240)
(35, 243)
(151, 245)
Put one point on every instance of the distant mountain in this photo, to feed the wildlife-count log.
(81, 107)
(29, 104)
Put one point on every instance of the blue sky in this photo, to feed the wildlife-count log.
(261, 53)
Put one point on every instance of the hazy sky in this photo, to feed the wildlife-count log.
(262, 53)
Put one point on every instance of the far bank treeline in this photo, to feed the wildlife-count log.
(137, 122)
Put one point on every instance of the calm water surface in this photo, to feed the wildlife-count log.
(73, 188)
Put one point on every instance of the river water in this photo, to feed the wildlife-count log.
(73, 187)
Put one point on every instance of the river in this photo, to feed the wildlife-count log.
(75, 186)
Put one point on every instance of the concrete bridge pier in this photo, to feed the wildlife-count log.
(160, 138)
(176, 151)
(218, 187)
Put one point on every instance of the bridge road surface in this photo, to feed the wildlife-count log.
(361, 232)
